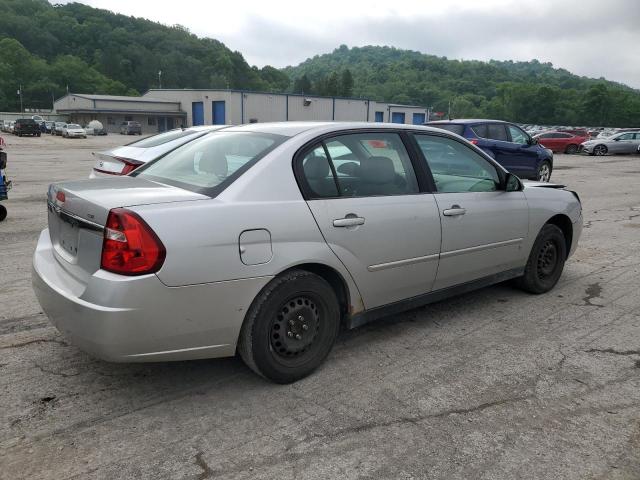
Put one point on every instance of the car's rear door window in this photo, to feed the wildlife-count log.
(496, 131)
(210, 163)
(455, 167)
(480, 130)
(362, 164)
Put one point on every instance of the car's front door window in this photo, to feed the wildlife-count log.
(496, 131)
(456, 167)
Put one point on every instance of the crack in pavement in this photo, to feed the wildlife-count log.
(38, 340)
(415, 420)
(53, 372)
(613, 351)
(206, 469)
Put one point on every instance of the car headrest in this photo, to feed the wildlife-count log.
(316, 167)
(213, 162)
(378, 170)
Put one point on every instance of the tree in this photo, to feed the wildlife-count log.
(346, 83)
(302, 85)
(332, 85)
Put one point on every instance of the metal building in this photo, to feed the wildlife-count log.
(162, 109)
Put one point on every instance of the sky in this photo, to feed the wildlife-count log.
(587, 37)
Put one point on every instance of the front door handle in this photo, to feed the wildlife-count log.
(348, 221)
(454, 211)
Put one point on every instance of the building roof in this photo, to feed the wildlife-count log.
(122, 98)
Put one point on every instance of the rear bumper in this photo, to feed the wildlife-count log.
(139, 319)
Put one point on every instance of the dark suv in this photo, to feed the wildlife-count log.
(26, 126)
(507, 143)
(130, 128)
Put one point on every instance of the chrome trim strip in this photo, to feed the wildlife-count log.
(479, 248)
(402, 263)
(71, 218)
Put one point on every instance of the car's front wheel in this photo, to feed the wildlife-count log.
(544, 172)
(571, 149)
(600, 150)
(546, 261)
(291, 327)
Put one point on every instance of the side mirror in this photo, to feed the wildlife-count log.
(512, 183)
(532, 141)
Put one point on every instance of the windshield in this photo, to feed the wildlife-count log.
(209, 164)
(165, 137)
(73, 125)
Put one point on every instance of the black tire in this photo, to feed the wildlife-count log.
(290, 327)
(3, 212)
(571, 149)
(599, 150)
(546, 261)
(544, 172)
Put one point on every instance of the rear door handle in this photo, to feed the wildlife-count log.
(348, 221)
(454, 211)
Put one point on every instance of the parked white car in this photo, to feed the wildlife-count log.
(73, 130)
(123, 160)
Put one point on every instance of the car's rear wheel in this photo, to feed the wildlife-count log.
(3, 212)
(546, 261)
(571, 149)
(544, 172)
(291, 327)
(600, 150)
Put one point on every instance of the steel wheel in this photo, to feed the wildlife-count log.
(295, 328)
(544, 172)
(600, 150)
(290, 326)
(547, 260)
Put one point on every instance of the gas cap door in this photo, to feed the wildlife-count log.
(255, 246)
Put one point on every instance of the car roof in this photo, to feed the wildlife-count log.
(466, 121)
(290, 129)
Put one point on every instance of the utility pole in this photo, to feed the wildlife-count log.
(449, 113)
(20, 93)
(159, 78)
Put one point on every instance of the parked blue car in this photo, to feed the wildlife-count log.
(508, 144)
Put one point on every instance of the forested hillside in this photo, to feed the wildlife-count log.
(48, 49)
(528, 92)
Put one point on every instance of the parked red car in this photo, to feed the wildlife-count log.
(562, 142)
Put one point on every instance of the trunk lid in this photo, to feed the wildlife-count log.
(77, 213)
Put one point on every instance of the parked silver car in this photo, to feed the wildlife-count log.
(123, 160)
(623, 142)
(263, 239)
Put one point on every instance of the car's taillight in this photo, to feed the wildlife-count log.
(129, 246)
(474, 141)
(129, 165)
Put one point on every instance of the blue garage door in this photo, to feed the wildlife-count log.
(397, 117)
(197, 113)
(418, 118)
(218, 112)
(379, 116)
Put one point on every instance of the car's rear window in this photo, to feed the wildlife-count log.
(209, 164)
(451, 127)
(161, 138)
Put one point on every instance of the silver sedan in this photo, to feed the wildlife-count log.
(623, 142)
(265, 239)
